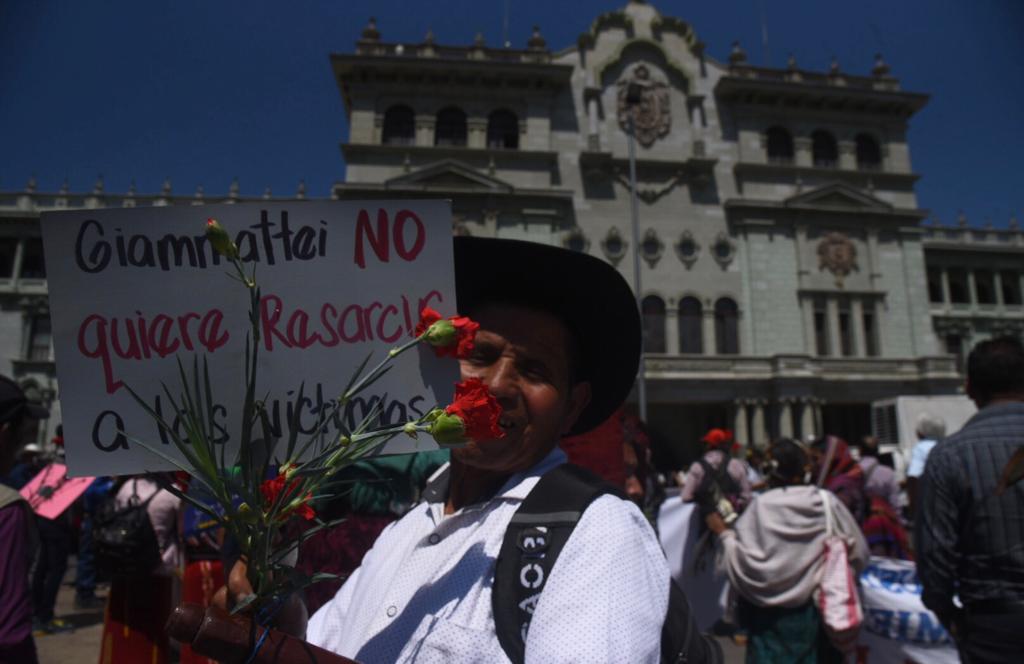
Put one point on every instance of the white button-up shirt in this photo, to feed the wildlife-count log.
(423, 592)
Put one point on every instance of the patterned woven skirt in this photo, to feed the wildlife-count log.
(133, 625)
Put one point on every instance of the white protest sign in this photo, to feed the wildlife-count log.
(132, 290)
(693, 568)
(897, 627)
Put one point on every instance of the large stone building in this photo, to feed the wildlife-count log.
(783, 259)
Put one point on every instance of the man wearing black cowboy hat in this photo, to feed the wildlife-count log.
(558, 346)
(16, 644)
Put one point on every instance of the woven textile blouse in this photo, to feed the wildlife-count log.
(423, 593)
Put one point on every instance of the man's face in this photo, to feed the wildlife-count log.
(521, 355)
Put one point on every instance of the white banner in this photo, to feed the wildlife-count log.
(133, 290)
(897, 627)
(692, 567)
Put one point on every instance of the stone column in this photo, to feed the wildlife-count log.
(997, 284)
(810, 342)
(758, 434)
(739, 423)
(710, 345)
(593, 128)
(802, 150)
(857, 325)
(819, 418)
(847, 155)
(425, 130)
(873, 256)
(879, 308)
(476, 132)
(19, 258)
(672, 327)
(835, 346)
(807, 424)
(786, 418)
(946, 299)
(378, 129)
(972, 295)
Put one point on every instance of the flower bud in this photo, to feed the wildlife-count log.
(246, 513)
(220, 240)
(448, 430)
(441, 334)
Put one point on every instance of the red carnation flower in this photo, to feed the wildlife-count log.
(304, 510)
(427, 318)
(273, 488)
(478, 410)
(451, 337)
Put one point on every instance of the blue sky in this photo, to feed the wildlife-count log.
(201, 91)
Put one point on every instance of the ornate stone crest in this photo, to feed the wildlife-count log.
(838, 255)
(652, 115)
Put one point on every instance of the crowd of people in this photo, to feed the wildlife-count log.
(960, 497)
(417, 552)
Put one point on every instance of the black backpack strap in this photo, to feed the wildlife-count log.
(721, 475)
(535, 536)
(134, 501)
(681, 641)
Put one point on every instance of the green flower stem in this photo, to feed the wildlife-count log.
(392, 354)
(395, 352)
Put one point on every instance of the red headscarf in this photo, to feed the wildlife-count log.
(717, 438)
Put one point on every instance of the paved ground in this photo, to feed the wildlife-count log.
(83, 644)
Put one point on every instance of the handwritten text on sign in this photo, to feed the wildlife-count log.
(133, 290)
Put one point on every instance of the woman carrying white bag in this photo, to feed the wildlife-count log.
(793, 557)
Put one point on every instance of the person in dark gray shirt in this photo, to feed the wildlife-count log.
(969, 535)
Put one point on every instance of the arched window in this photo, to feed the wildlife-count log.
(824, 150)
(654, 324)
(869, 155)
(691, 326)
(780, 146)
(399, 126)
(450, 128)
(727, 329)
(503, 130)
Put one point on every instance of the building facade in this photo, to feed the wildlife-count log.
(787, 279)
(975, 283)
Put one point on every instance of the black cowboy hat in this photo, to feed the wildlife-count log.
(587, 294)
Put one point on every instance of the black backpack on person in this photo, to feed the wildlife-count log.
(536, 535)
(124, 539)
(716, 486)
